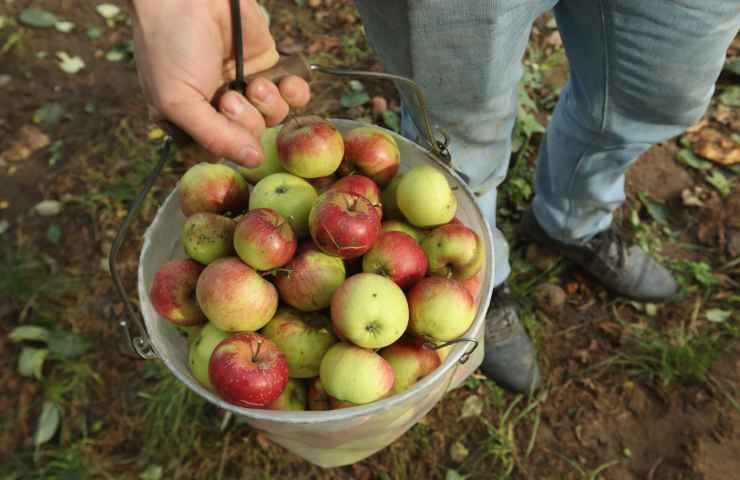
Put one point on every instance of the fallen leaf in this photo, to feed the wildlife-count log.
(731, 96)
(32, 17)
(31, 362)
(694, 197)
(458, 452)
(262, 440)
(720, 182)
(93, 33)
(688, 158)
(656, 209)
(54, 233)
(717, 315)
(5, 79)
(48, 423)
(472, 407)
(453, 475)
(30, 333)
(48, 208)
(152, 472)
(70, 64)
(554, 39)
(64, 27)
(107, 10)
(4, 225)
(49, 113)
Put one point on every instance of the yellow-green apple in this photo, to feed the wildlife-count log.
(411, 362)
(398, 257)
(322, 184)
(303, 337)
(234, 297)
(199, 353)
(444, 352)
(264, 240)
(308, 281)
(363, 187)
(317, 397)
(293, 397)
(343, 224)
(212, 187)
(425, 198)
(310, 147)
(369, 310)
(172, 292)
(248, 370)
(355, 374)
(270, 164)
(388, 199)
(290, 196)
(208, 236)
(454, 251)
(403, 227)
(371, 151)
(440, 308)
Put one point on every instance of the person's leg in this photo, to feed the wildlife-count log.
(466, 55)
(641, 72)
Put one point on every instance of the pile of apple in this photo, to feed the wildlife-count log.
(314, 290)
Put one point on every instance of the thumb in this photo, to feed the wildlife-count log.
(216, 132)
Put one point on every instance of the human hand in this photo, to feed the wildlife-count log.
(185, 55)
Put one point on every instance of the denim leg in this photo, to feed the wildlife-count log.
(466, 55)
(641, 72)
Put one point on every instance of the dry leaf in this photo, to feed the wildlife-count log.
(458, 452)
(472, 407)
(30, 139)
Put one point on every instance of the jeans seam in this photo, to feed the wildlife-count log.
(602, 129)
(607, 58)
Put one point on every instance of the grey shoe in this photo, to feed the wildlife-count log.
(624, 269)
(510, 358)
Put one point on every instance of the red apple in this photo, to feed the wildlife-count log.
(310, 147)
(363, 187)
(317, 397)
(264, 240)
(343, 224)
(248, 370)
(453, 250)
(308, 281)
(371, 151)
(440, 308)
(234, 297)
(173, 292)
(397, 256)
(411, 362)
(212, 187)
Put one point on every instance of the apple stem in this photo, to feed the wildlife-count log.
(259, 345)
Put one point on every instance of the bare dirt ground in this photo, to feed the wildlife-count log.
(632, 391)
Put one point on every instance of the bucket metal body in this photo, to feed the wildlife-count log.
(335, 437)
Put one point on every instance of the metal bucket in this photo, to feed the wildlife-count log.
(336, 437)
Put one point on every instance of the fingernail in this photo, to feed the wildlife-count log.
(262, 93)
(249, 156)
(233, 104)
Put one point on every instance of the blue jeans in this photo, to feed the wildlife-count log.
(641, 71)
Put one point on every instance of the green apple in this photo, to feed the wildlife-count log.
(369, 310)
(303, 337)
(454, 250)
(355, 374)
(403, 227)
(441, 308)
(270, 164)
(207, 237)
(388, 199)
(309, 280)
(200, 352)
(411, 362)
(292, 398)
(425, 198)
(290, 196)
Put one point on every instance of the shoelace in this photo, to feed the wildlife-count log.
(608, 238)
